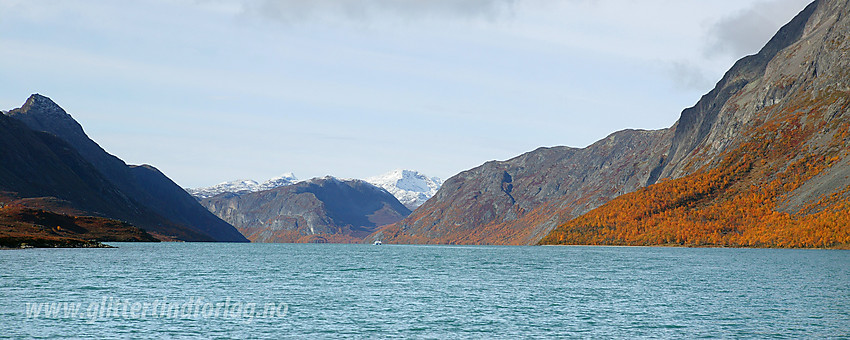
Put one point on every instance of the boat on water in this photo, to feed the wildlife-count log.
(378, 243)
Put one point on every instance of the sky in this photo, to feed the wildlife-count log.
(216, 90)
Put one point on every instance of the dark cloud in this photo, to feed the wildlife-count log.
(290, 11)
(747, 31)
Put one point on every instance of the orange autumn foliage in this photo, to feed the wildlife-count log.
(736, 201)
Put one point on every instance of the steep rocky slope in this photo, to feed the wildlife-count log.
(713, 124)
(318, 210)
(801, 70)
(760, 161)
(519, 200)
(39, 170)
(144, 185)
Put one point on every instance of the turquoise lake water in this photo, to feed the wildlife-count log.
(322, 291)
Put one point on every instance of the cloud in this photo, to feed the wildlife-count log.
(747, 31)
(688, 76)
(295, 11)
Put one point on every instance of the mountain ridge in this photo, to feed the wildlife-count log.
(487, 204)
(773, 170)
(321, 210)
(490, 204)
(410, 187)
(143, 187)
(241, 186)
(41, 171)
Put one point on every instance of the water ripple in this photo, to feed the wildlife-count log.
(364, 291)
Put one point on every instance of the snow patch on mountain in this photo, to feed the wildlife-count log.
(410, 187)
(279, 181)
(243, 186)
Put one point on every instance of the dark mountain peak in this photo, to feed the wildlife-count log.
(144, 185)
(38, 101)
(40, 113)
(41, 109)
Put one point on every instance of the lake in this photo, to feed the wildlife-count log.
(217, 290)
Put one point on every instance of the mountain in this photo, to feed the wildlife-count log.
(762, 160)
(411, 188)
(519, 200)
(40, 171)
(319, 210)
(761, 155)
(66, 164)
(242, 186)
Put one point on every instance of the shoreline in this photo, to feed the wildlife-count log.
(33, 243)
(838, 247)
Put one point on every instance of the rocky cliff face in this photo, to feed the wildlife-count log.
(519, 200)
(802, 71)
(144, 185)
(762, 161)
(712, 125)
(804, 66)
(318, 210)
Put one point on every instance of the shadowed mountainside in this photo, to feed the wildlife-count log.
(153, 192)
(45, 172)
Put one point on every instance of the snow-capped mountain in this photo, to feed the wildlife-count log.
(410, 187)
(279, 181)
(242, 186)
